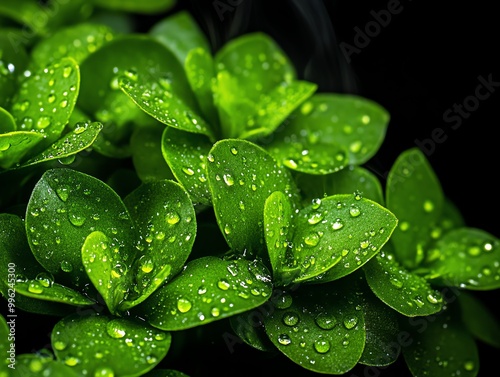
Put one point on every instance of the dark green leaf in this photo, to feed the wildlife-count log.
(321, 330)
(103, 345)
(414, 195)
(13, 61)
(7, 122)
(249, 328)
(241, 176)
(467, 258)
(5, 344)
(407, 293)
(336, 235)
(15, 145)
(165, 373)
(186, 154)
(35, 365)
(146, 7)
(208, 289)
(65, 207)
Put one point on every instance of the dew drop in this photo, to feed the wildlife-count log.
(59, 345)
(202, 290)
(35, 287)
(474, 251)
(322, 346)
(173, 218)
(66, 266)
(184, 305)
(51, 98)
(325, 321)
(234, 151)
(45, 279)
(227, 229)
(104, 372)
(396, 282)
(215, 312)
(337, 224)
(404, 226)
(67, 71)
(284, 339)
(433, 299)
(115, 329)
(71, 361)
(290, 319)
(147, 264)
(315, 218)
(35, 366)
(76, 219)
(428, 206)
(312, 239)
(62, 192)
(284, 301)
(354, 211)
(316, 203)
(350, 322)
(228, 179)
(223, 284)
(469, 366)
(43, 122)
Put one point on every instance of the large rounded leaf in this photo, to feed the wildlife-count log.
(103, 345)
(241, 176)
(414, 195)
(208, 289)
(66, 206)
(14, 146)
(36, 365)
(338, 234)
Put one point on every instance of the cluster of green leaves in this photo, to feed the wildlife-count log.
(200, 186)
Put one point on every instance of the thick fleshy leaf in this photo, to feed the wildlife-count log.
(77, 140)
(468, 258)
(208, 289)
(76, 41)
(186, 154)
(440, 346)
(336, 235)
(352, 179)
(414, 195)
(321, 330)
(35, 365)
(146, 7)
(407, 293)
(329, 132)
(241, 176)
(166, 223)
(46, 99)
(13, 61)
(200, 72)
(64, 208)
(7, 122)
(147, 156)
(479, 320)
(180, 33)
(279, 229)
(44, 288)
(15, 145)
(102, 345)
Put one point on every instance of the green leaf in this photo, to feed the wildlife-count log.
(35, 365)
(147, 155)
(64, 208)
(414, 195)
(5, 346)
(468, 258)
(441, 347)
(407, 293)
(77, 140)
(165, 373)
(143, 7)
(7, 122)
(279, 228)
(15, 145)
(321, 330)
(338, 234)
(166, 223)
(241, 176)
(352, 179)
(186, 154)
(44, 288)
(478, 319)
(75, 41)
(180, 33)
(26, 12)
(329, 132)
(123, 347)
(13, 61)
(250, 330)
(208, 289)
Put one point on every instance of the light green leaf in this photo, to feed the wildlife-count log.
(441, 346)
(44, 288)
(144, 7)
(186, 154)
(34, 365)
(64, 208)
(13, 61)
(336, 235)
(7, 122)
(180, 33)
(26, 12)
(321, 330)
(14, 146)
(414, 195)
(124, 347)
(208, 289)
(468, 258)
(407, 293)
(241, 176)
(147, 156)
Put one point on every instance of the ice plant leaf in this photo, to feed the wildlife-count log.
(166, 223)
(186, 154)
(76, 41)
(45, 100)
(479, 320)
(146, 7)
(208, 289)
(7, 122)
(44, 288)
(241, 176)
(414, 195)
(77, 140)
(278, 227)
(15, 145)
(405, 292)
(180, 33)
(336, 235)
(467, 258)
(33, 365)
(321, 330)
(441, 346)
(352, 179)
(13, 61)
(105, 345)
(64, 208)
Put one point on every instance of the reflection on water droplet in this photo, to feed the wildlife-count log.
(354, 211)
(76, 219)
(223, 284)
(433, 299)
(428, 206)
(62, 192)
(104, 372)
(228, 179)
(469, 366)
(283, 301)
(290, 319)
(312, 239)
(66, 266)
(67, 71)
(173, 218)
(315, 218)
(474, 251)
(43, 122)
(215, 312)
(284, 339)
(396, 282)
(350, 322)
(71, 361)
(316, 203)
(147, 264)
(184, 305)
(59, 345)
(322, 346)
(115, 329)
(35, 287)
(326, 321)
